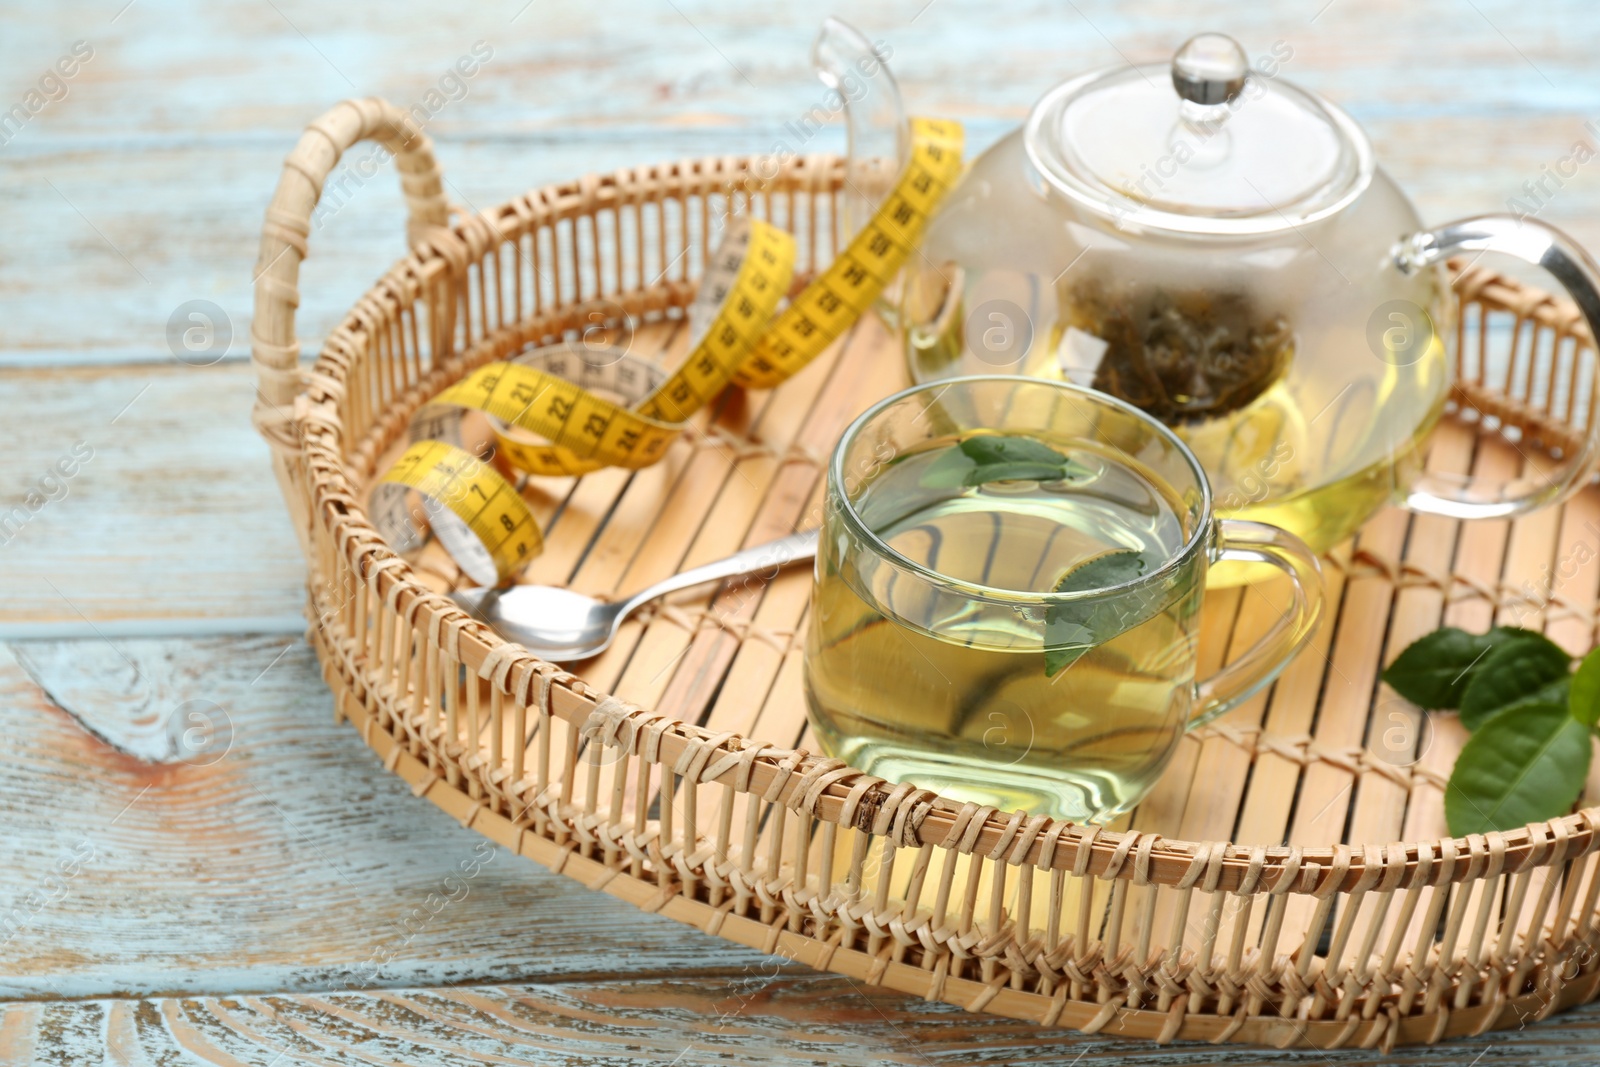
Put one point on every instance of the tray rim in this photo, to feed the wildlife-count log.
(309, 457)
(1305, 869)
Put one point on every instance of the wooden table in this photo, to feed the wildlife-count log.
(279, 898)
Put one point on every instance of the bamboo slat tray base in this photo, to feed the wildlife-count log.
(1261, 893)
(1305, 763)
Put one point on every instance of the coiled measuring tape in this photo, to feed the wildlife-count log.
(570, 409)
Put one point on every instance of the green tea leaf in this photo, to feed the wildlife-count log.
(1058, 658)
(949, 471)
(1524, 765)
(1434, 670)
(992, 449)
(1511, 671)
(1111, 568)
(1016, 472)
(1072, 629)
(1555, 692)
(1584, 699)
(989, 458)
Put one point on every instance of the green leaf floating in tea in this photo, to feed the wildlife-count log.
(1072, 628)
(985, 458)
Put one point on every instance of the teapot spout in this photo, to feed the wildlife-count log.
(875, 121)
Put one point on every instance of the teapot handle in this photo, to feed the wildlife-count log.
(878, 142)
(1543, 246)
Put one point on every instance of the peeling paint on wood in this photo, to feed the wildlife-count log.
(285, 860)
(732, 1018)
(236, 903)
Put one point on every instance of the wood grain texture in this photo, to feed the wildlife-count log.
(173, 516)
(752, 1016)
(143, 189)
(282, 857)
(177, 89)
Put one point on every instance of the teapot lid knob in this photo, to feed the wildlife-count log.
(1210, 69)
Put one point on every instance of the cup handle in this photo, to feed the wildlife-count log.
(1542, 246)
(1256, 542)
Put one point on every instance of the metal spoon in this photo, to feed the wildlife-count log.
(560, 625)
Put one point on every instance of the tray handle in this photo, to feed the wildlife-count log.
(274, 349)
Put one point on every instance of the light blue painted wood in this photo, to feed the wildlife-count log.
(173, 515)
(191, 109)
(745, 1018)
(237, 838)
(144, 188)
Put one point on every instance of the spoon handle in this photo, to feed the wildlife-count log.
(759, 558)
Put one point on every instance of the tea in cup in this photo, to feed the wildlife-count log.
(1008, 588)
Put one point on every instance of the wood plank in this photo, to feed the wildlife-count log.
(750, 1016)
(1398, 733)
(1530, 556)
(1230, 619)
(1221, 768)
(1270, 798)
(587, 501)
(173, 514)
(1325, 797)
(1162, 810)
(93, 269)
(794, 501)
(1480, 550)
(92, 258)
(654, 65)
(292, 862)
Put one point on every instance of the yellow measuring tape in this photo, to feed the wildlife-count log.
(570, 409)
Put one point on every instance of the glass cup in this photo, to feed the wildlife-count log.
(1007, 596)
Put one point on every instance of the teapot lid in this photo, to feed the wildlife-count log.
(1207, 147)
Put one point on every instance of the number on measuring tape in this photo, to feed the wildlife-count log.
(475, 513)
(856, 277)
(573, 408)
(553, 408)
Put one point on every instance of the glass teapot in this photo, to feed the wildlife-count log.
(1218, 247)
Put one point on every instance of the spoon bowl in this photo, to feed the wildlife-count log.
(560, 625)
(557, 624)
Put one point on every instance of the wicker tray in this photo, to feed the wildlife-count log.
(1287, 883)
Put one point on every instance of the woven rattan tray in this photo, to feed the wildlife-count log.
(1287, 883)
